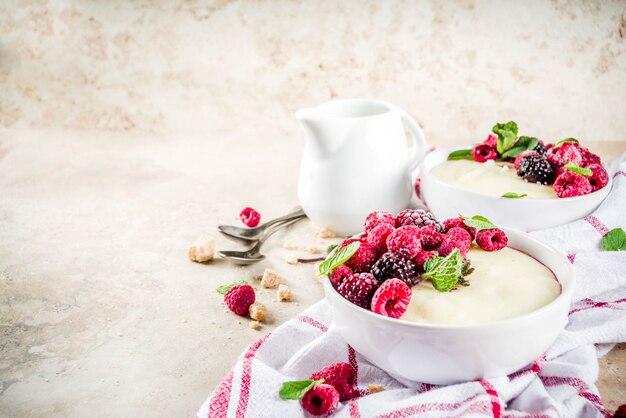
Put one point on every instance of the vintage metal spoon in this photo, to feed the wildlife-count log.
(254, 234)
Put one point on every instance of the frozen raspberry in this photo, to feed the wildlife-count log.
(405, 238)
(456, 237)
(599, 177)
(536, 169)
(430, 238)
(340, 376)
(377, 237)
(392, 298)
(458, 222)
(320, 401)
(589, 157)
(359, 289)
(250, 217)
(239, 298)
(565, 153)
(491, 239)
(419, 218)
(363, 259)
(418, 186)
(348, 241)
(482, 153)
(518, 159)
(421, 258)
(338, 275)
(395, 265)
(376, 218)
(569, 184)
(491, 141)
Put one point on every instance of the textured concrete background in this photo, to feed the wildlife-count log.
(131, 128)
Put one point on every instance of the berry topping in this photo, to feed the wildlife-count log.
(599, 177)
(340, 376)
(377, 237)
(491, 239)
(456, 237)
(421, 258)
(491, 141)
(430, 238)
(392, 298)
(395, 265)
(568, 152)
(320, 401)
(359, 289)
(405, 238)
(338, 275)
(377, 218)
(482, 153)
(569, 184)
(363, 259)
(536, 169)
(239, 298)
(541, 148)
(419, 218)
(250, 217)
(458, 222)
(346, 242)
(589, 157)
(518, 159)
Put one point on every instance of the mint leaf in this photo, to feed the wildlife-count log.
(444, 273)
(296, 389)
(225, 288)
(614, 240)
(562, 141)
(479, 222)
(583, 171)
(506, 135)
(339, 257)
(513, 195)
(523, 143)
(461, 154)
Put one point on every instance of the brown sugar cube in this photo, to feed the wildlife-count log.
(313, 249)
(326, 233)
(270, 279)
(258, 311)
(375, 388)
(283, 293)
(255, 325)
(202, 250)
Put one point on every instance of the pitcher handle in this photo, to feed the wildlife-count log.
(418, 148)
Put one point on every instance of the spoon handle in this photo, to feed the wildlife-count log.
(271, 231)
(293, 215)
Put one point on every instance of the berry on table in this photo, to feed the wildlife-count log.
(456, 237)
(250, 217)
(320, 401)
(482, 153)
(377, 237)
(405, 238)
(599, 177)
(568, 152)
(239, 298)
(536, 169)
(419, 218)
(378, 218)
(430, 238)
(569, 184)
(458, 222)
(363, 259)
(392, 298)
(338, 275)
(359, 289)
(491, 239)
(340, 376)
(395, 265)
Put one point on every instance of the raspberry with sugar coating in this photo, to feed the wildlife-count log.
(339, 274)
(392, 298)
(250, 217)
(599, 177)
(569, 184)
(405, 238)
(421, 258)
(378, 218)
(455, 238)
(340, 376)
(239, 298)
(363, 259)
(565, 153)
(320, 401)
(458, 222)
(359, 289)
(491, 239)
(430, 238)
(419, 218)
(482, 153)
(377, 237)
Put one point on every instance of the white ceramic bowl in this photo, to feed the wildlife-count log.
(448, 201)
(446, 354)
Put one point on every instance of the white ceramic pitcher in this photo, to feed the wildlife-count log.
(356, 160)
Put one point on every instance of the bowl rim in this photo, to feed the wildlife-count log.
(435, 152)
(566, 293)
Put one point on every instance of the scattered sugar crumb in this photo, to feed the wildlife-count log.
(270, 278)
(255, 325)
(292, 260)
(258, 311)
(202, 250)
(313, 249)
(288, 245)
(283, 293)
(326, 233)
(375, 388)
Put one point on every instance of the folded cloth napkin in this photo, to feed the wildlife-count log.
(560, 383)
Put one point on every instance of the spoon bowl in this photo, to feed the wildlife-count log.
(241, 258)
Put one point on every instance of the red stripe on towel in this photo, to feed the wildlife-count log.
(218, 406)
(312, 322)
(592, 304)
(580, 386)
(480, 406)
(599, 226)
(496, 408)
(246, 376)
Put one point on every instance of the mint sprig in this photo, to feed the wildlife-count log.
(562, 141)
(296, 389)
(523, 143)
(507, 132)
(479, 222)
(614, 240)
(583, 171)
(225, 288)
(461, 154)
(338, 258)
(513, 195)
(444, 273)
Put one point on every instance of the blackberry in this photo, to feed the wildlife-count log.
(396, 265)
(540, 148)
(535, 168)
(359, 289)
(418, 218)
